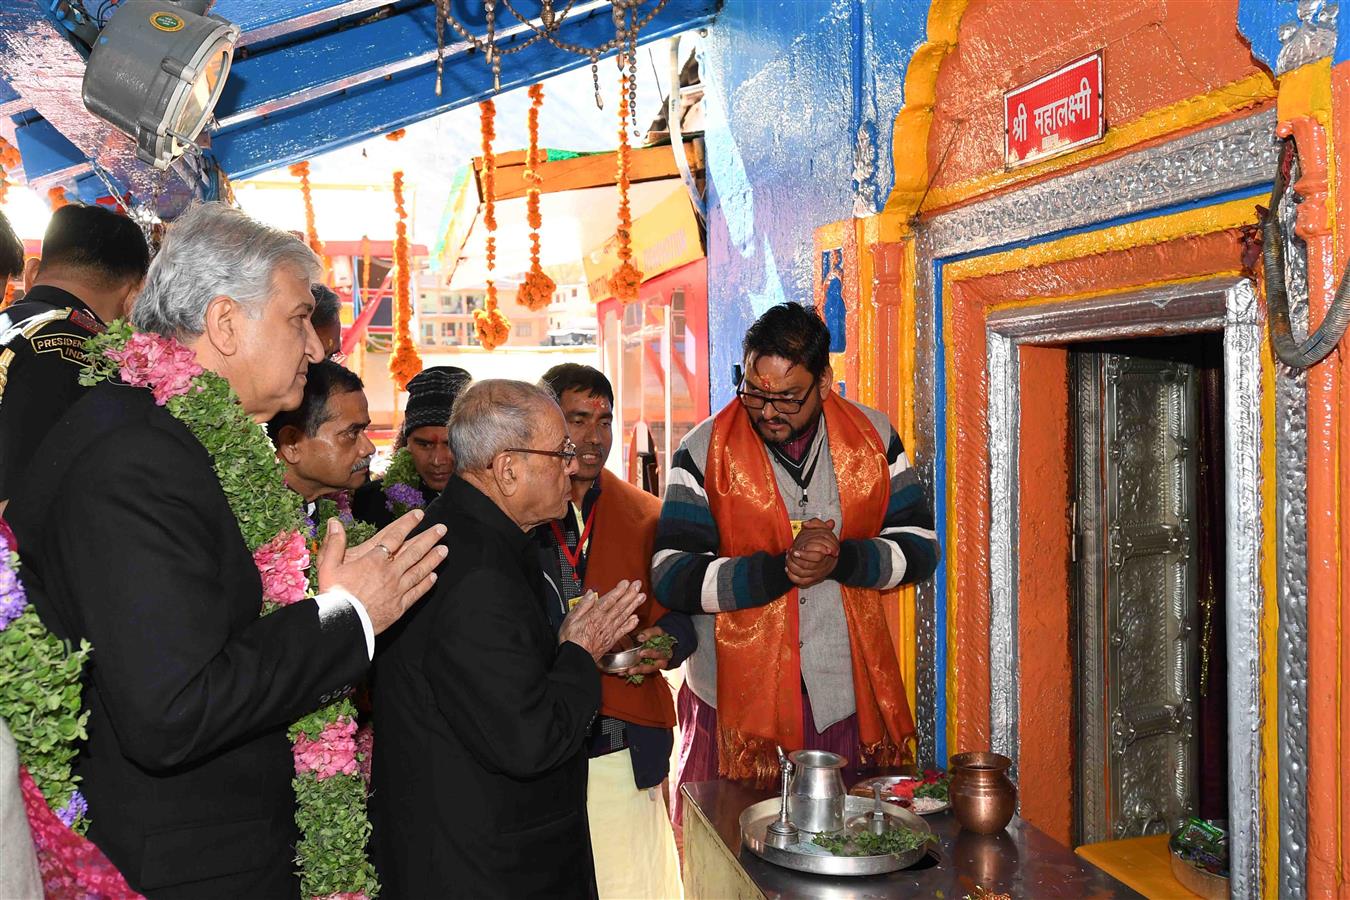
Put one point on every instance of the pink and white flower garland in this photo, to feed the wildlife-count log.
(170, 370)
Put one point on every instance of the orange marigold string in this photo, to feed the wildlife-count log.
(492, 326)
(56, 198)
(405, 361)
(537, 290)
(9, 161)
(626, 279)
(301, 170)
(365, 268)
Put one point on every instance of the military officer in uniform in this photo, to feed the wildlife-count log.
(92, 265)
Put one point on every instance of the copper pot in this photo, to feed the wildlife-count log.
(983, 798)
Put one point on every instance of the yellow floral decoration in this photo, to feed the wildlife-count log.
(492, 326)
(626, 279)
(537, 291)
(301, 170)
(405, 362)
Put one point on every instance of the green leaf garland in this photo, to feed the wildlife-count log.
(330, 812)
(40, 701)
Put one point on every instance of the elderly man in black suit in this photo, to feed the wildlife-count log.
(481, 708)
(128, 541)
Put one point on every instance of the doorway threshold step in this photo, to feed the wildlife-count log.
(1142, 863)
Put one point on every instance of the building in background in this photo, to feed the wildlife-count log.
(445, 314)
(571, 315)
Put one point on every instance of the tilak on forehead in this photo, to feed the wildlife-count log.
(769, 383)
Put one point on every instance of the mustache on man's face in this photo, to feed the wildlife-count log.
(361, 465)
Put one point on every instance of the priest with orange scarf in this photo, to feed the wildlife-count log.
(606, 537)
(790, 518)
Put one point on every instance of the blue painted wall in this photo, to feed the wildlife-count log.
(791, 83)
(1260, 21)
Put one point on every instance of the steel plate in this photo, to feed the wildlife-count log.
(806, 857)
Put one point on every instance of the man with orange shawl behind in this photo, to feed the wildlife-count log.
(790, 518)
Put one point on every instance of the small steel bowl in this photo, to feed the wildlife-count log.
(625, 654)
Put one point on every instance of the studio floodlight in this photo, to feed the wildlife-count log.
(156, 72)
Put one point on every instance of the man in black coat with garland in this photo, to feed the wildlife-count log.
(128, 541)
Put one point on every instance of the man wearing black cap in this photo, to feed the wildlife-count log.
(423, 464)
(92, 265)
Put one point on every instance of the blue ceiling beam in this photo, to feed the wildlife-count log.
(266, 20)
(41, 65)
(266, 82)
(10, 102)
(371, 108)
(48, 155)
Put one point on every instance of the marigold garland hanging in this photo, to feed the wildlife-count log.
(9, 161)
(301, 170)
(405, 361)
(492, 326)
(537, 290)
(626, 279)
(56, 198)
(365, 267)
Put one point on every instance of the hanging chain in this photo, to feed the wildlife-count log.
(440, 43)
(105, 177)
(494, 59)
(595, 78)
(632, 72)
(627, 28)
(481, 45)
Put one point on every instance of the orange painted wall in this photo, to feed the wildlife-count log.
(1044, 648)
(1158, 57)
(1156, 53)
(1047, 738)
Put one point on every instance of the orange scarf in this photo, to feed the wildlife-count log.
(621, 548)
(759, 700)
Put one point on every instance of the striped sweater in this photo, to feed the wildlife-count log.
(689, 575)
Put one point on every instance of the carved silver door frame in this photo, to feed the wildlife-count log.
(1224, 158)
(1227, 305)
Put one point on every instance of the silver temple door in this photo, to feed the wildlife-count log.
(1136, 576)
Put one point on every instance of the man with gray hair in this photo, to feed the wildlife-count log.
(481, 708)
(129, 542)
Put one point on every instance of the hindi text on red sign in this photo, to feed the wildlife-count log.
(1054, 113)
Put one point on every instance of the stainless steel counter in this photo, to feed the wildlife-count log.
(1023, 861)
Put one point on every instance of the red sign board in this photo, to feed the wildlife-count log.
(1055, 113)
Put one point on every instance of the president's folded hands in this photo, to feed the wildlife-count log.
(596, 623)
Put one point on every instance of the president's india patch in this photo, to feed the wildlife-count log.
(69, 346)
